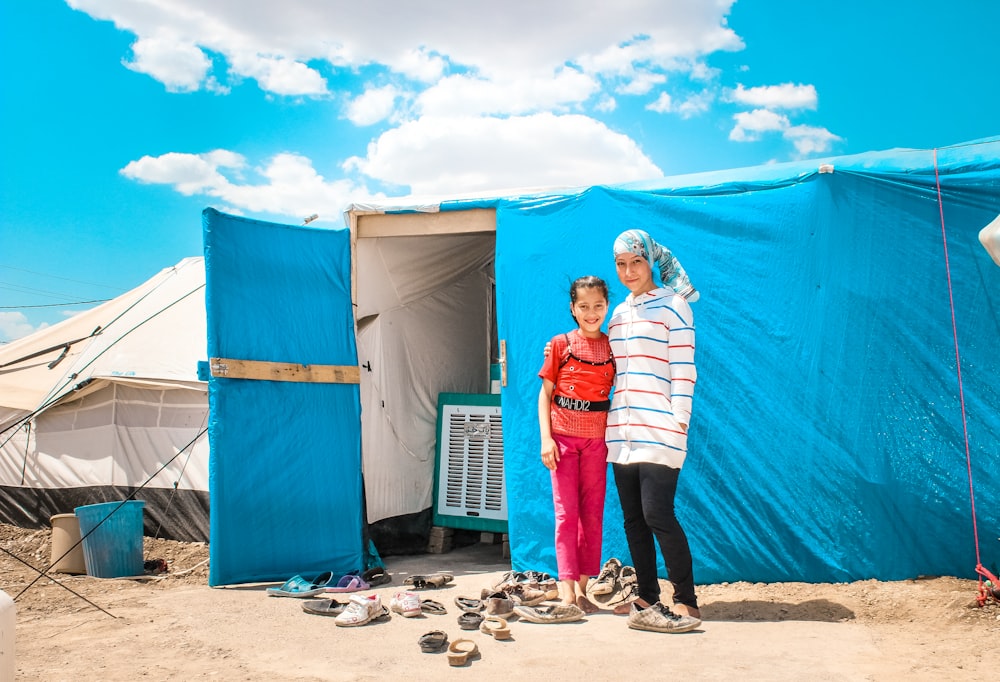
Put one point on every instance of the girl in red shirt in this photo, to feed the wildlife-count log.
(573, 404)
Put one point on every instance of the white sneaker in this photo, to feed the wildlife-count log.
(360, 610)
(407, 604)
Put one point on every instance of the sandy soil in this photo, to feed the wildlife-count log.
(172, 626)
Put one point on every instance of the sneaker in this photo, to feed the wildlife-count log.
(499, 604)
(658, 618)
(406, 604)
(360, 610)
(608, 577)
(550, 613)
(626, 589)
(523, 595)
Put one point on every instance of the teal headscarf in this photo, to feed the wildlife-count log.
(661, 260)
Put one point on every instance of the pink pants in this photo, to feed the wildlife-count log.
(578, 486)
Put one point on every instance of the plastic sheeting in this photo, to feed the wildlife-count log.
(285, 467)
(827, 439)
(826, 442)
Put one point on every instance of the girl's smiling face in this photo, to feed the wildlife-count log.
(589, 309)
(634, 272)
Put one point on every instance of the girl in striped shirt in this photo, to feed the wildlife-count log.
(652, 338)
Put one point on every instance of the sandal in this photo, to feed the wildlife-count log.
(495, 627)
(469, 604)
(431, 606)
(323, 607)
(470, 620)
(299, 587)
(349, 583)
(432, 641)
(461, 650)
(376, 576)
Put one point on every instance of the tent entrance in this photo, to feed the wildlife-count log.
(424, 295)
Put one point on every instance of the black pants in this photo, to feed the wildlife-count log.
(646, 492)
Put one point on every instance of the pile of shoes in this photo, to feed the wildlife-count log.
(530, 596)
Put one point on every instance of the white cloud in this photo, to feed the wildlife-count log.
(188, 173)
(476, 76)
(695, 104)
(642, 82)
(449, 155)
(289, 185)
(471, 96)
(180, 67)
(14, 325)
(273, 42)
(750, 125)
(280, 75)
(784, 96)
(606, 104)
(703, 72)
(662, 104)
(809, 140)
(374, 105)
(419, 65)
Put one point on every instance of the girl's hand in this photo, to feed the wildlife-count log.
(548, 348)
(550, 454)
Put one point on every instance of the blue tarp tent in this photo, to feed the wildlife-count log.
(830, 439)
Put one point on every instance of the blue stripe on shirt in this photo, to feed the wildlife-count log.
(656, 443)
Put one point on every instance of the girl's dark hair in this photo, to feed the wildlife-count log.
(588, 282)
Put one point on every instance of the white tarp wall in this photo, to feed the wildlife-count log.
(94, 407)
(424, 312)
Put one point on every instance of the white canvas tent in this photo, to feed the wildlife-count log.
(93, 408)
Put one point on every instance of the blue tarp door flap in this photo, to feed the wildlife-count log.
(285, 466)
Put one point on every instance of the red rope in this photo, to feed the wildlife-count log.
(980, 569)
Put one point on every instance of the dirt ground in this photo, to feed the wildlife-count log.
(172, 626)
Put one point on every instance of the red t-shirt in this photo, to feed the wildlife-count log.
(574, 422)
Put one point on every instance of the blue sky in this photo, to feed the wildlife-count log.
(123, 119)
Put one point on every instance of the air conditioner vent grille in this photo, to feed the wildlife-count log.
(471, 475)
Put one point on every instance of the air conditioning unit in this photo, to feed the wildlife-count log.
(469, 489)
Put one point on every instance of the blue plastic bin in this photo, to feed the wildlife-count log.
(115, 548)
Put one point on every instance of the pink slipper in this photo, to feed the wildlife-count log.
(349, 583)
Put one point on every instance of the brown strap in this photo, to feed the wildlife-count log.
(284, 371)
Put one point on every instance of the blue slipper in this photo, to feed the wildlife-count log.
(299, 587)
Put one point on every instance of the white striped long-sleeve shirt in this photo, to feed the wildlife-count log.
(652, 338)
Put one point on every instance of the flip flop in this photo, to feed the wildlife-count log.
(431, 606)
(470, 620)
(469, 604)
(461, 650)
(323, 607)
(349, 583)
(376, 576)
(432, 641)
(495, 627)
(299, 587)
